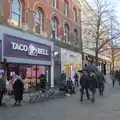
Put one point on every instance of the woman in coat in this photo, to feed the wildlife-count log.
(18, 88)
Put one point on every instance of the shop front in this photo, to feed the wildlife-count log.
(71, 62)
(27, 58)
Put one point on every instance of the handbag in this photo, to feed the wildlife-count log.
(6, 99)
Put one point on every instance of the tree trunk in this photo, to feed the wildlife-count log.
(96, 58)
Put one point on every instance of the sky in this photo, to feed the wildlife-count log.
(114, 3)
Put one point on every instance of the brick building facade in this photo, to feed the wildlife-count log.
(56, 22)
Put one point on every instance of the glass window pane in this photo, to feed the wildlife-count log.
(16, 6)
(37, 16)
(15, 19)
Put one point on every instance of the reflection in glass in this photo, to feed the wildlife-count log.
(16, 7)
(38, 21)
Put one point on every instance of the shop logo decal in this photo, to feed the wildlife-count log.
(32, 50)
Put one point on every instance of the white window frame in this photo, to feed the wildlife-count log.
(40, 21)
(19, 14)
(66, 34)
(54, 3)
(54, 26)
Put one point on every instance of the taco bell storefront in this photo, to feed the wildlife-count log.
(27, 57)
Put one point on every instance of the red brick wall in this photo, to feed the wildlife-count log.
(49, 12)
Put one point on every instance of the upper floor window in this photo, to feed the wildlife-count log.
(66, 33)
(75, 14)
(16, 12)
(66, 7)
(54, 27)
(38, 21)
(54, 3)
(76, 36)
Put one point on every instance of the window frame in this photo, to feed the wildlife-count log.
(40, 23)
(75, 14)
(15, 13)
(76, 36)
(54, 3)
(66, 33)
(54, 27)
(66, 7)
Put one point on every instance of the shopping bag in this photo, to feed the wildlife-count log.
(6, 99)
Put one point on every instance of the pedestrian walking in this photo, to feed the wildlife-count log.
(2, 86)
(93, 85)
(18, 88)
(76, 80)
(84, 83)
(113, 77)
(101, 81)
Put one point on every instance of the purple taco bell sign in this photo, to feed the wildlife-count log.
(22, 48)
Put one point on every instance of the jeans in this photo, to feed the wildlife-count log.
(101, 88)
(76, 83)
(93, 90)
(82, 92)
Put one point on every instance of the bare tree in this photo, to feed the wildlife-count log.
(98, 26)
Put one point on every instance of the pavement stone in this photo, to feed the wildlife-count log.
(69, 108)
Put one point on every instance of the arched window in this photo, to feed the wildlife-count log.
(66, 7)
(54, 27)
(54, 3)
(16, 12)
(38, 21)
(66, 33)
(75, 14)
(76, 36)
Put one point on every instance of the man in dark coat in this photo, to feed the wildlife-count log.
(101, 81)
(42, 81)
(84, 82)
(70, 86)
(18, 88)
(93, 84)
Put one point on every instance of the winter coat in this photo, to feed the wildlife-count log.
(76, 77)
(84, 81)
(63, 77)
(18, 88)
(100, 77)
(2, 83)
(93, 81)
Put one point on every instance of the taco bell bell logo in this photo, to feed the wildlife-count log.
(32, 50)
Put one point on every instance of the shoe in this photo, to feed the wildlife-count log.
(81, 100)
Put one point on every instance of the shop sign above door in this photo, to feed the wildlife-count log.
(21, 48)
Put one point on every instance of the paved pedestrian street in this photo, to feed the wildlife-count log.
(68, 108)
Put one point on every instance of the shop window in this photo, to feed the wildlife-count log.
(16, 12)
(38, 21)
(66, 33)
(54, 28)
(75, 14)
(66, 7)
